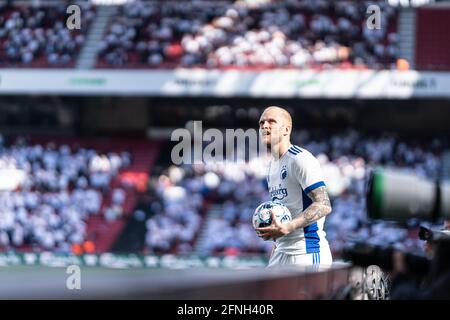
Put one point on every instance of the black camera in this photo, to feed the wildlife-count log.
(427, 234)
(399, 196)
(364, 255)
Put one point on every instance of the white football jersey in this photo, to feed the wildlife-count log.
(290, 179)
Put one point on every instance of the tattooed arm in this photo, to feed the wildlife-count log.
(320, 207)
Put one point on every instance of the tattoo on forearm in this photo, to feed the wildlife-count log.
(320, 207)
(320, 195)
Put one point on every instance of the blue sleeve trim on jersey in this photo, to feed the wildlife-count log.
(314, 186)
(294, 150)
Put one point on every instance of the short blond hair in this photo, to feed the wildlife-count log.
(284, 113)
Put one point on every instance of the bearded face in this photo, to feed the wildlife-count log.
(271, 128)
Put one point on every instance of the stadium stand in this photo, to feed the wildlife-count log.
(228, 34)
(217, 34)
(36, 35)
(74, 194)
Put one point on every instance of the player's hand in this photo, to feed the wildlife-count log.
(275, 230)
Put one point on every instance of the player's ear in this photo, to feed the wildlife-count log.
(287, 130)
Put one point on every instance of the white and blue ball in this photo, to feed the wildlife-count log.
(262, 217)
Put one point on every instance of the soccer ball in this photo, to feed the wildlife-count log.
(262, 217)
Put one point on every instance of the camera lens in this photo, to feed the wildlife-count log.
(399, 196)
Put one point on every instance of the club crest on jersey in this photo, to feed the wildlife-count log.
(283, 173)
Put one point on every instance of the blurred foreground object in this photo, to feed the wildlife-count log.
(395, 195)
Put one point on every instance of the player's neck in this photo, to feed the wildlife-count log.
(279, 150)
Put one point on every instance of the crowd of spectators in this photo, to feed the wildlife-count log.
(220, 197)
(177, 215)
(211, 34)
(189, 193)
(291, 33)
(52, 191)
(37, 35)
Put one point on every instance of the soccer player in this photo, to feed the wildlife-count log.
(294, 179)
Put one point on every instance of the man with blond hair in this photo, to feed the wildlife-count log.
(296, 180)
